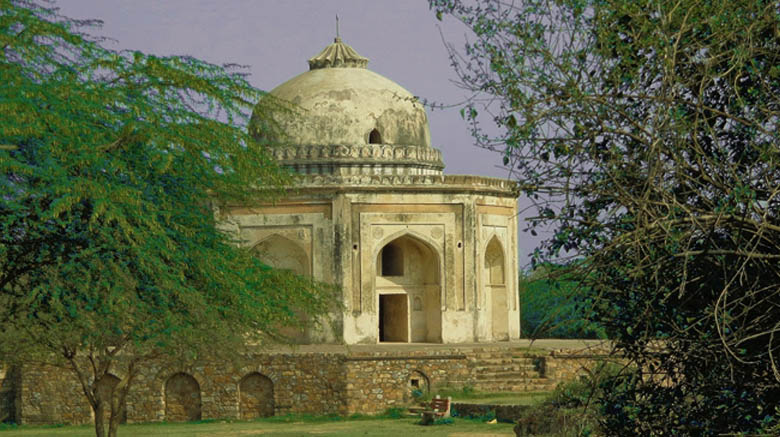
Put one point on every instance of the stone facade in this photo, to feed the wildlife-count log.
(339, 382)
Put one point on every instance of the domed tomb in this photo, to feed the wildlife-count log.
(346, 119)
(418, 255)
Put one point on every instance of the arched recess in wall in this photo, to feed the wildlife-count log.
(408, 270)
(419, 381)
(105, 389)
(495, 284)
(282, 253)
(182, 398)
(374, 137)
(256, 396)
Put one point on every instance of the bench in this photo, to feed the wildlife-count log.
(439, 408)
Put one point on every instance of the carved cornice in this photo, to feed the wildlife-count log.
(449, 183)
(359, 154)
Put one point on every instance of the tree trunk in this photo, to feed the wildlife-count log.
(113, 423)
(118, 397)
(99, 425)
(117, 411)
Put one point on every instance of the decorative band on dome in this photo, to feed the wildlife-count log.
(338, 55)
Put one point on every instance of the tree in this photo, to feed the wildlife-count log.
(111, 168)
(646, 131)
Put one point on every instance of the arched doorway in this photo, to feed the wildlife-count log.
(496, 288)
(182, 398)
(256, 396)
(285, 254)
(409, 291)
(105, 390)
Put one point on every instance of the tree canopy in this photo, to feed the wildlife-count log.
(646, 133)
(112, 166)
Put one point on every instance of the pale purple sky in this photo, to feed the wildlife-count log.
(276, 37)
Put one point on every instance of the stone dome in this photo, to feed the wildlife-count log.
(340, 102)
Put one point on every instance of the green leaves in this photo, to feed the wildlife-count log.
(651, 128)
(107, 232)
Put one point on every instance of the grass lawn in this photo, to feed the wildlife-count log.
(500, 398)
(530, 399)
(281, 427)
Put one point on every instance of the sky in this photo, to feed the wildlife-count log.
(402, 39)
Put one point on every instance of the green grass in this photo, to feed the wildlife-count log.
(531, 398)
(284, 426)
(469, 395)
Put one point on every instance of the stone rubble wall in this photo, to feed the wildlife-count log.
(8, 383)
(50, 395)
(378, 381)
(565, 365)
(303, 383)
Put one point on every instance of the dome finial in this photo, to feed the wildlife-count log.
(338, 55)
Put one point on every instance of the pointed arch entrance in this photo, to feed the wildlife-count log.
(408, 284)
(495, 282)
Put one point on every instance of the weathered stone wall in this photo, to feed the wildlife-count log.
(378, 381)
(345, 382)
(8, 383)
(566, 365)
(302, 383)
(50, 394)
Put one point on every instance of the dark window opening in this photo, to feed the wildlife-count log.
(392, 260)
(374, 137)
(415, 382)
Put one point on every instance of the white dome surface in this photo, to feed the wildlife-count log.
(340, 103)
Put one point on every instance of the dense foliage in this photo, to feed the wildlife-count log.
(646, 132)
(552, 305)
(112, 167)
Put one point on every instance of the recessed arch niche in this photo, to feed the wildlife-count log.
(495, 284)
(256, 396)
(282, 253)
(182, 398)
(374, 137)
(409, 292)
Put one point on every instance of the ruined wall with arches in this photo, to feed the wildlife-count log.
(341, 381)
(264, 385)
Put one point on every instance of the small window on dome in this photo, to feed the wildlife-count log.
(374, 137)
